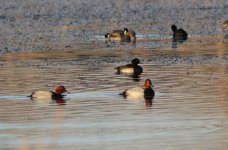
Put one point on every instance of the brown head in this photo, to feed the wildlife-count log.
(147, 83)
(60, 90)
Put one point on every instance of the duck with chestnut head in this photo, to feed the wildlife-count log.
(145, 92)
(45, 94)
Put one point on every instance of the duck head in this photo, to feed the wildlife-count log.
(174, 28)
(147, 83)
(107, 35)
(60, 90)
(125, 30)
(135, 61)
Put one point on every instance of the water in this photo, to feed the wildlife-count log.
(44, 44)
(189, 110)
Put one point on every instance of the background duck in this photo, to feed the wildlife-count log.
(130, 33)
(132, 69)
(224, 25)
(145, 92)
(179, 35)
(117, 37)
(44, 94)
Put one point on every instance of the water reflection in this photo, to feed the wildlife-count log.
(149, 102)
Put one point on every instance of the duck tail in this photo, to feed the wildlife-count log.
(124, 94)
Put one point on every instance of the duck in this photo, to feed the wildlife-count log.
(145, 92)
(133, 68)
(224, 25)
(117, 37)
(130, 33)
(179, 35)
(45, 94)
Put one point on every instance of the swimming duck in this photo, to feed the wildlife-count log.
(44, 94)
(145, 92)
(117, 37)
(179, 35)
(130, 33)
(133, 68)
(224, 25)
(121, 32)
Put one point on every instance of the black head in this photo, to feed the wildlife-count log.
(125, 30)
(135, 61)
(174, 28)
(107, 35)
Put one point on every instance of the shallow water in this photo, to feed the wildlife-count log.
(47, 43)
(189, 110)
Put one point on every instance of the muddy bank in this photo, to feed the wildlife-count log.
(46, 25)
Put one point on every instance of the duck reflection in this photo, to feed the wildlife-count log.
(179, 36)
(148, 102)
(132, 70)
(59, 101)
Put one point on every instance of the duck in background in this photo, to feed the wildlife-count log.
(179, 35)
(117, 37)
(132, 69)
(224, 25)
(124, 35)
(224, 29)
(146, 92)
(130, 33)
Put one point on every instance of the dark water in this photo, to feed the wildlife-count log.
(49, 43)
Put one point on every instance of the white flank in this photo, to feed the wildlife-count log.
(127, 70)
(42, 94)
(136, 93)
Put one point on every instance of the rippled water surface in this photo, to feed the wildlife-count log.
(189, 110)
(48, 43)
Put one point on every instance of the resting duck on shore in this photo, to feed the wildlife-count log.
(179, 35)
(44, 94)
(132, 69)
(145, 92)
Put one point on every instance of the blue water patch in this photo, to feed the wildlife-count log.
(14, 97)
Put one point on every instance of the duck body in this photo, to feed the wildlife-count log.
(179, 35)
(117, 37)
(130, 33)
(42, 94)
(129, 69)
(121, 32)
